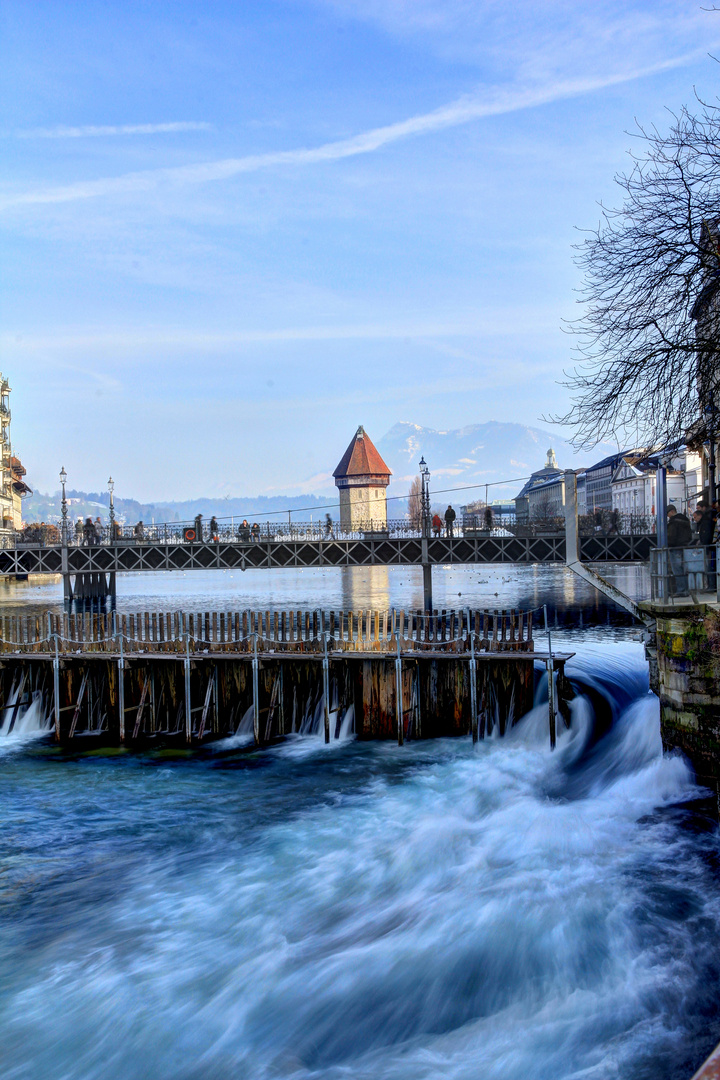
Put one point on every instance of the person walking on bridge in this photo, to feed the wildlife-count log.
(704, 526)
(214, 531)
(450, 516)
(198, 528)
(89, 534)
(437, 525)
(679, 536)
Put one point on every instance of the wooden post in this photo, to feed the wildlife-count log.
(256, 693)
(121, 693)
(563, 693)
(281, 717)
(483, 703)
(551, 702)
(188, 707)
(326, 689)
(56, 690)
(551, 681)
(418, 704)
(399, 696)
(473, 690)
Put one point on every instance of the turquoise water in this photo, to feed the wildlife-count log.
(364, 910)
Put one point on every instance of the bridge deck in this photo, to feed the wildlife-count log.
(150, 556)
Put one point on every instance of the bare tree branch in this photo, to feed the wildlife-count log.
(647, 342)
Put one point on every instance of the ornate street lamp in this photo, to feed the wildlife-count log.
(111, 488)
(63, 504)
(425, 478)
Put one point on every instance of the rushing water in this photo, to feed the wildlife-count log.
(364, 910)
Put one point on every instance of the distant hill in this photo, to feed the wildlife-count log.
(39, 507)
(476, 454)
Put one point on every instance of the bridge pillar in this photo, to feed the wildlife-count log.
(64, 567)
(427, 575)
(572, 553)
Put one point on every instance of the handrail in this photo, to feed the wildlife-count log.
(179, 532)
(684, 572)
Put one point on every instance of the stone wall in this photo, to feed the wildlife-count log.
(688, 684)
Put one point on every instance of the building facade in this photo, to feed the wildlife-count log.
(705, 312)
(362, 478)
(598, 483)
(12, 485)
(551, 470)
(634, 483)
(546, 500)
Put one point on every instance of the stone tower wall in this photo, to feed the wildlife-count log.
(363, 505)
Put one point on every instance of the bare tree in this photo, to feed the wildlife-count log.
(647, 343)
(415, 503)
(544, 509)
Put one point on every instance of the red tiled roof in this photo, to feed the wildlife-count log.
(361, 458)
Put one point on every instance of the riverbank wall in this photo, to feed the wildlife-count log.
(685, 674)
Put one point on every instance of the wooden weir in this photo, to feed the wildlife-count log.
(134, 679)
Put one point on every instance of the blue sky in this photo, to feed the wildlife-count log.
(233, 232)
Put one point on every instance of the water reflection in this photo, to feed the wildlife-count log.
(572, 603)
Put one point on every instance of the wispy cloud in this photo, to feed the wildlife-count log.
(461, 111)
(90, 130)
(501, 323)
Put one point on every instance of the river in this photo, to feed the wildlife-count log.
(363, 910)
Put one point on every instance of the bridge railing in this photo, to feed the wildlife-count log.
(602, 523)
(679, 573)
(185, 532)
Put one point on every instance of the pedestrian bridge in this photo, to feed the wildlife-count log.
(163, 551)
(89, 565)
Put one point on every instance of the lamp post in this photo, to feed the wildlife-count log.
(64, 567)
(111, 488)
(63, 506)
(712, 487)
(425, 497)
(425, 554)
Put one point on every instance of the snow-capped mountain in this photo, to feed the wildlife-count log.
(477, 454)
